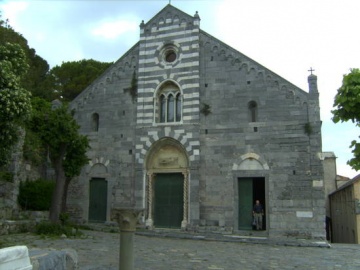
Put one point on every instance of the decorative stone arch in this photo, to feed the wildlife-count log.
(163, 83)
(251, 161)
(98, 167)
(166, 155)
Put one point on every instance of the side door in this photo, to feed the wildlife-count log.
(98, 200)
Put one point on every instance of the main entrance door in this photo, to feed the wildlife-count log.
(169, 200)
(98, 200)
(250, 189)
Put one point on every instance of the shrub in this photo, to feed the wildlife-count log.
(36, 195)
(6, 177)
(56, 229)
(47, 228)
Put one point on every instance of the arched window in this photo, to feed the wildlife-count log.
(252, 106)
(178, 107)
(169, 104)
(162, 108)
(95, 122)
(170, 108)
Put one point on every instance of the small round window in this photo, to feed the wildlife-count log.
(170, 56)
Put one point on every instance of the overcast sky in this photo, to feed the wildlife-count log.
(287, 37)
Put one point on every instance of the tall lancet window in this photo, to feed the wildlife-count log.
(162, 103)
(253, 111)
(95, 122)
(178, 107)
(168, 107)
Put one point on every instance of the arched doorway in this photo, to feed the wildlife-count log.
(167, 185)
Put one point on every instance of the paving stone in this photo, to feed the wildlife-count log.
(100, 251)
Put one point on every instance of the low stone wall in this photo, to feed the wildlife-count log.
(25, 221)
(16, 226)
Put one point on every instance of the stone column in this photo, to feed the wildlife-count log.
(127, 219)
(184, 222)
(149, 221)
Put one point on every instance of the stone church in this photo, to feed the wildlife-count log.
(194, 132)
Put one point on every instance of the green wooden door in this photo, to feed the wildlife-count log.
(245, 203)
(169, 200)
(98, 200)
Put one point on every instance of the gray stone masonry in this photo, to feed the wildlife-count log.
(259, 126)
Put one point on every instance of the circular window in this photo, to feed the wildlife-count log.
(170, 56)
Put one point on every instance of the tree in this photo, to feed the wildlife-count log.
(58, 131)
(71, 78)
(34, 79)
(15, 105)
(75, 160)
(347, 104)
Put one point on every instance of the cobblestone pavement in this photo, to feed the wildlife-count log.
(100, 250)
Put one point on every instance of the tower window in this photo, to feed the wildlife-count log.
(95, 122)
(253, 112)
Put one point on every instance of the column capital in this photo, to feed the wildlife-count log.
(127, 218)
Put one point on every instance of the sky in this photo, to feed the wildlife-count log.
(287, 37)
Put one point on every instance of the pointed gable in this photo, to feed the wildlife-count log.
(167, 16)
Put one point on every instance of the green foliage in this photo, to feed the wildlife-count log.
(59, 134)
(133, 89)
(347, 107)
(69, 79)
(64, 218)
(205, 109)
(58, 130)
(76, 157)
(6, 176)
(15, 103)
(36, 195)
(347, 99)
(54, 229)
(13, 63)
(34, 79)
(33, 150)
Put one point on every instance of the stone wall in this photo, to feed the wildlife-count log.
(260, 126)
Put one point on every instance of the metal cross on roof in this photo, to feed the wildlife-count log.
(311, 70)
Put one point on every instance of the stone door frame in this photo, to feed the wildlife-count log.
(151, 174)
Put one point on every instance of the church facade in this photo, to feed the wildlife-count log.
(194, 132)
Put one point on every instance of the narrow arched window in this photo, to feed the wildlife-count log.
(178, 107)
(95, 122)
(252, 106)
(162, 108)
(170, 108)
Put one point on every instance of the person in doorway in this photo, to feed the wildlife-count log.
(258, 212)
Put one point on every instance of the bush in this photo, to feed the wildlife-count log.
(47, 228)
(6, 177)
(55, 229)
(36, 195)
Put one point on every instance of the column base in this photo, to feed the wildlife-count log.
(184, 224)
(149, 223)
